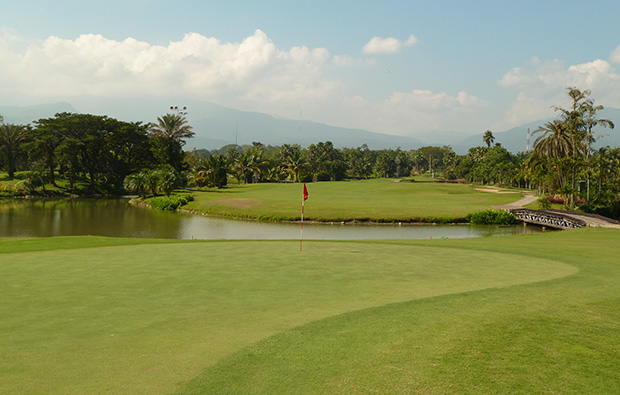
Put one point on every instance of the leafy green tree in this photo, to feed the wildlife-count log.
(591, 121)
(326, 162)
(402, 162)
(217, 171)
(386, 164)
(43, 147)
(102, 149)
(359, 161)
(11, 139)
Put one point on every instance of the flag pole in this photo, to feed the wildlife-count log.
(303, 203)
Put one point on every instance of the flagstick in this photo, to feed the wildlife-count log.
(301, 236)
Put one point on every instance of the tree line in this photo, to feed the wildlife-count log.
(98, 154)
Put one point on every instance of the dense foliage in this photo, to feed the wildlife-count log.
(97, 154)
(171, 202)
(492, 217)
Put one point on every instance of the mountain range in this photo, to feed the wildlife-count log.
(216, 126)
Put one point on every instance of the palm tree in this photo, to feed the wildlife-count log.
(136, 182)
(11, 137)
(556, 140)
(488, 138)
(168, 134)
(171, 127)
(592, 121)
(294, 163)
(243, 166)
(557, 144)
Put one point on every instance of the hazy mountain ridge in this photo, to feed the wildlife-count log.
(515, 139)
(216, 126)
(28, 114)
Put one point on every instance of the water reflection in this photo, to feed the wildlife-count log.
(116, 217)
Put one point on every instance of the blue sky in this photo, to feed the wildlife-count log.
(399, 67)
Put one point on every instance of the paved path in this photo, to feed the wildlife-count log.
(595, 222)
(525, 200)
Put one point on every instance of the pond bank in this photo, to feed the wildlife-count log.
(118, 218)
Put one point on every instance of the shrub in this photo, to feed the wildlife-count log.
(555, 199)
(544, 202)
(492, 217)
(171, 202)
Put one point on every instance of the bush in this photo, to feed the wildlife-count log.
(492, 217)
(544, 202)
(171, 202)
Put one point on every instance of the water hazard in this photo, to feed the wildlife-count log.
(117, 218)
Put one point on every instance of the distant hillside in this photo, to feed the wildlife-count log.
(216, 126)
(29, 114)
(514, 140)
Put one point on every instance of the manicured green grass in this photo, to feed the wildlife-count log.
(97, 315)
(558, 336)
(378, 200)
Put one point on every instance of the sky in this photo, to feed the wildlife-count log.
(412, 68)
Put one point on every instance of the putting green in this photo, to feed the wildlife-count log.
(147, 318)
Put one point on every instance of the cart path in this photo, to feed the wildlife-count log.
(525, 200)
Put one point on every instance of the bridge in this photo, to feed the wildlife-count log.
(548, 218)
(562, 219)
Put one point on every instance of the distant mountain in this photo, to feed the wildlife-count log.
(28, 114)
(515, 139)
(216, 126)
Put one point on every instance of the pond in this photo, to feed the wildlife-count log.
(116, 217)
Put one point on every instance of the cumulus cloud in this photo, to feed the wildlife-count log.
(253, 75)
(349, 61)
(542, 84)
(615, 56)
(406, 113)
(197, 65)
(390, 45)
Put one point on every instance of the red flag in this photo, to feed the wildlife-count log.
(305, 192)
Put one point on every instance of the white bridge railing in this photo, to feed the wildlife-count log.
(548, 218)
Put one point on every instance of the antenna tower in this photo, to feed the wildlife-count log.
(527, 142)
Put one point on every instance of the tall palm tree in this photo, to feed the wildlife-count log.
(591, 122)
(557, 144)
(488, 138)
(172, 127)
(294, 163)
(169, 134)
(11, 137)
(555, 141)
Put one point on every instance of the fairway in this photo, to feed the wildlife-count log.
(375, 200)
(88, 314)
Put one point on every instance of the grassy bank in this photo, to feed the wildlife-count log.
(376, 200)
(529, 313)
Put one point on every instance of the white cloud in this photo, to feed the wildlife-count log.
(614, 57)
(406, 113)
(541, 85)
(390, 45)
(349, 61)
(251, 75)
(197, 66)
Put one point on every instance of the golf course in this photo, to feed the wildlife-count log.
(416, 199)
(519, 314)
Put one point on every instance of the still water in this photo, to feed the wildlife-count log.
(116, 217)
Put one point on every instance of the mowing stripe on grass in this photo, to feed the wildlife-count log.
(147, 317)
